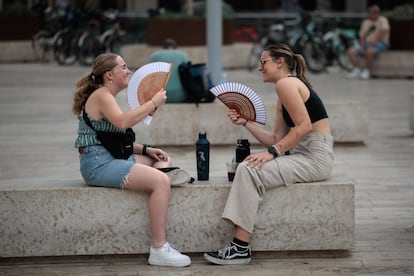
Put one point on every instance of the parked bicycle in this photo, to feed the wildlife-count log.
(336, 42)
(278, 32)
(80, 37)
(94, 42)
(301, 35)
(43, 40)
(65, 47)
(306, 39)
(305, 36)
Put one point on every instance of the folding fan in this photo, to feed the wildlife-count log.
(243, 99)
(146, 82)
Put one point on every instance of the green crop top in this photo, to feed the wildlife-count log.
(87, 136)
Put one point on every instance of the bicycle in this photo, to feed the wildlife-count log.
(65, 46)
(306, 39)
(92, 42)
(43, 40)
(275, 33)
(300, 34)
(336, 42)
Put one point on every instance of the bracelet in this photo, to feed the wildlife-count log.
(154, 104)
(245, 123)
(144, 149)
(277, 150)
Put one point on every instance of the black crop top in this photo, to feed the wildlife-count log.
(314, 106)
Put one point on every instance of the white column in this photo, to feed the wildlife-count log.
(214, 39)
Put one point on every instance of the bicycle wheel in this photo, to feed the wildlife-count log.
(41, 44)
(342, 58)
(65, 49)
(256, 52)
(314, 55)
(254, 56)
(89, 48)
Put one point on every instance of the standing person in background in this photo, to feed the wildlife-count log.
(169, 53)
(374, 38)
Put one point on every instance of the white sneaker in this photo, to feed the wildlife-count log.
(355, 73)
(166, 255)
(365, 75)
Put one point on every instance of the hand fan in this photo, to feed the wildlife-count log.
(145, 82)
(243, 99)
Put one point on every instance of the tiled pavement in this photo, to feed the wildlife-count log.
(37, 132)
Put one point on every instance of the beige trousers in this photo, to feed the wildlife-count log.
(310, 161)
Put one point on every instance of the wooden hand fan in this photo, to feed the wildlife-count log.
(146, 82)
(243, 99)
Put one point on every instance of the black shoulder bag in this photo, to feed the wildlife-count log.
(120, 145)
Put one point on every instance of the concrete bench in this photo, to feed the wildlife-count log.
(394, 63)
(136, 55)
(179, 124)
(69, 218)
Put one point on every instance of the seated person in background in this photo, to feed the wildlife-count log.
(374, 38)
(175, 91)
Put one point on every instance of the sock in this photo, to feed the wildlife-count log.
(240, 243)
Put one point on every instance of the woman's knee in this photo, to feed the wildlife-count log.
(242, 167)
(146, 178)
(164, 183)
(352, 51)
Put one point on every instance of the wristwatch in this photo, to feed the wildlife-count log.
(273, 151)
(144, 149)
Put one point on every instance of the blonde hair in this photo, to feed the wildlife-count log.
(93, 80)
(295, 62)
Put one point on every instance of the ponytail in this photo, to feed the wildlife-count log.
(295, 62)
(301, 69)
(92, 81)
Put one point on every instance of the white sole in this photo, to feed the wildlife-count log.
(226, 262)
(164, 263)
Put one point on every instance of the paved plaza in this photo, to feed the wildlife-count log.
(36, 146)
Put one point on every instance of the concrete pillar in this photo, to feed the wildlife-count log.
(214, 39)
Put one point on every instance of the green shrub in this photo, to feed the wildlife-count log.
(401, 12)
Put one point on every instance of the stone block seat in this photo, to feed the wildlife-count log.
(69, 218)
(394, 64)
(179, 124)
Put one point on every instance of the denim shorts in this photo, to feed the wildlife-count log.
(99, 168)
(379, 48)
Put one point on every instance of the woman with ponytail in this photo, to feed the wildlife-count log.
(299, 149)
(97, 109)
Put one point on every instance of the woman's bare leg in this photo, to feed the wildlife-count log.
(157, 184)
(242, 234)
(369, 58)
(353, 56)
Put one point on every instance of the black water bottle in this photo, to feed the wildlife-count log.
(242, 149)
(203, 156)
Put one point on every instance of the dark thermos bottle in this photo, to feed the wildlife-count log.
(203, 156)
(242, 149)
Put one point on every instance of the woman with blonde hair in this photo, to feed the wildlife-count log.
(98, 111)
